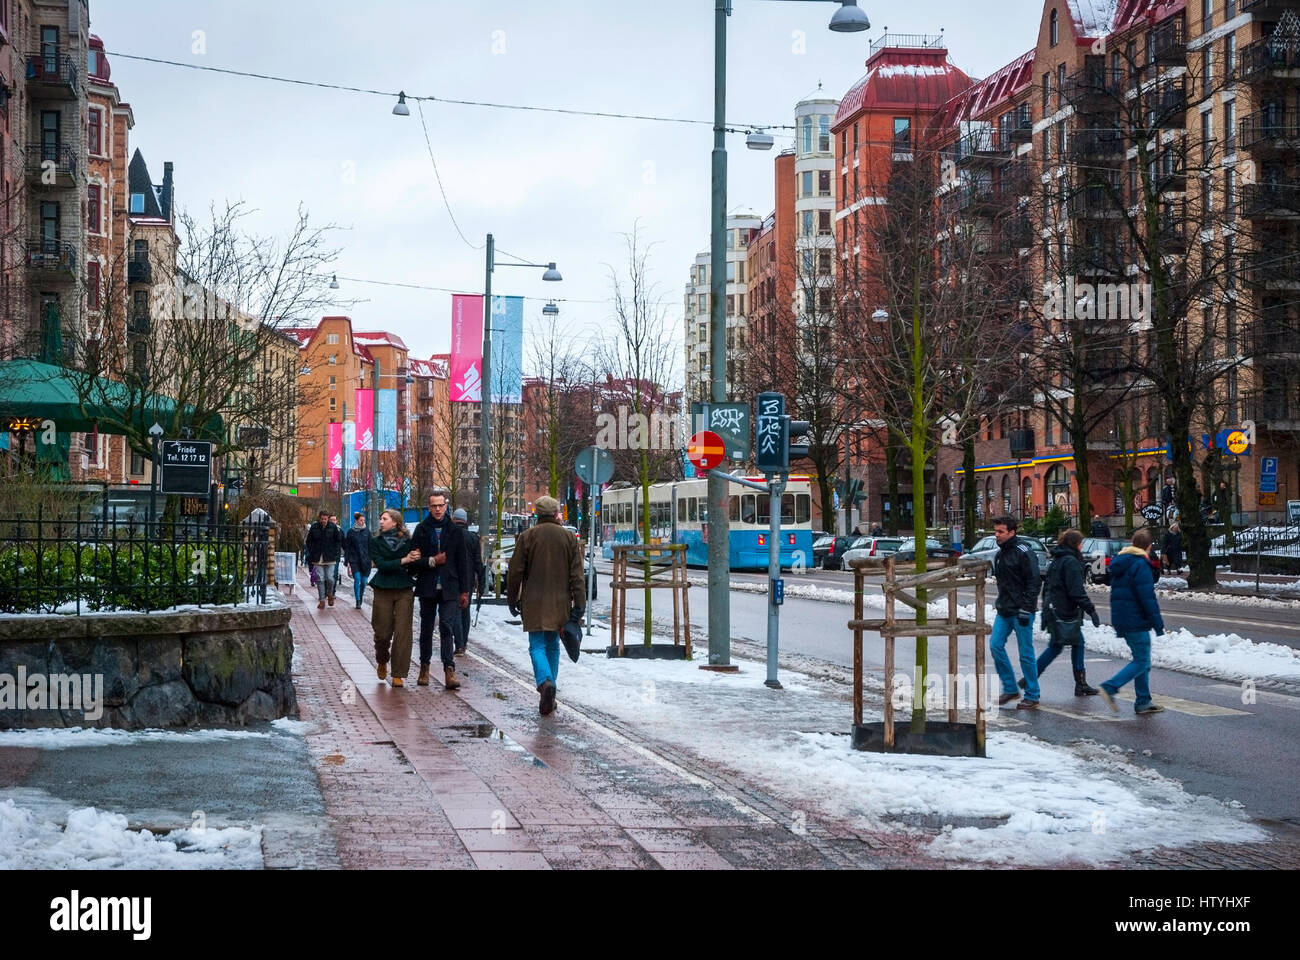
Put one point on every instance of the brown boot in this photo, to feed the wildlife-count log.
(382, 670)
(423, 679)
(331, 601)
(449, 679)
(321, 605)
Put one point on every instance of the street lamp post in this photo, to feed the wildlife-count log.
(155, 434)
(485, 388)
(847, 19)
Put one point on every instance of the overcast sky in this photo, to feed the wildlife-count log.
(550, 187)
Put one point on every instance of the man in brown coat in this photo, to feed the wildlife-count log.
(545, 580)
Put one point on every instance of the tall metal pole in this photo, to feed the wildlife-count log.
(776, 484)
(153, 481)
(719, 525)
(378, 496)
(485, 435)
(591, 542)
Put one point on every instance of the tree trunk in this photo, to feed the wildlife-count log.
(891, 475)
(969, 493)
(917, 445)
(1079, 443)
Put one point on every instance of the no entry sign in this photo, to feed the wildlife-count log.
(705, 450)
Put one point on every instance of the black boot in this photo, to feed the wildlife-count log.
(1081, 688)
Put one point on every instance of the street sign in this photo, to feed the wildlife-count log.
(770, 426)
(255, 438)
(778, 591)
(1237, 442)
(705, 450)
(186, 467)
(730, 421)
(1268, 475)
(1152, 513)
(603, 470)
(1293, 512)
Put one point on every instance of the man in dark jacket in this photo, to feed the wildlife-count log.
(356, 553)
(545, 580)
(1172, 547)
(477, 573)
(1099, 529)
(1134, 613)
(1015, 566)
(323, 550)
(443, 585)
(1065, 601)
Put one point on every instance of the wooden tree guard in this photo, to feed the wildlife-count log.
(966, 573)
(669, 558)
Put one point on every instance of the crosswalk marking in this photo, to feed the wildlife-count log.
(1268, 696)
(1192, 708)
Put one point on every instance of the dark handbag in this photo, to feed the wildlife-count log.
(1067, 633)
(571, 635)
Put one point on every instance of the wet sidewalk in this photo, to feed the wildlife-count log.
(423, 777)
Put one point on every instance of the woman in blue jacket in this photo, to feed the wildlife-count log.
(1134, 614)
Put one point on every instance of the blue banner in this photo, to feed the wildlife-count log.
(507, 350)
(351, 461)
(387, 420)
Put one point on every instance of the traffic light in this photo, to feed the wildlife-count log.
(797, 441)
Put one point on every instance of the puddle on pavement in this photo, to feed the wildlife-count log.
(486, 731)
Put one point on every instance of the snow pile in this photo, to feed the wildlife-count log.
(48, 738)
(1037, 800)
(1222, 655)
(1244, 538)
(94, 839)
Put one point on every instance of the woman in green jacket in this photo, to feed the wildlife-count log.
(393, 603)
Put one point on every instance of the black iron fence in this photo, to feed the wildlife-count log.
(75, 565)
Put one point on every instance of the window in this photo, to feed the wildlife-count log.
(334, 358)
(92, 63)
(824, 133)
(94, 131)
(1054, 28)
(1207, 71)
(731, 305)
(1047, 90)
(331, 338)
(731, 271)
(824, 263)
(806, 183)
(823, 223)
(902, 133)
(92, 285)
(137, 464)
(334, 403)
(1207, 135)
(50, 139)
(1060, 85)
(1229, 54)
(141, 251)
(1230, 127)
(806, 223)
(94, 206)
(1207, 14)
(823, 183)
(137, 203)
(806, 138)
(333, 383)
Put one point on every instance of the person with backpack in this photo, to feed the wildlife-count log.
(477, 572)
(1015, 567)
(356, 552)
(1134, 614)
(1065, 601)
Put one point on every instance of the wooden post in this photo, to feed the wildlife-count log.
(952, 656)
(980, 693)
(858, 587)
(888, 633)
(686, 607)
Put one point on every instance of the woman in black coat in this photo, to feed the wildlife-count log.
(1065, 601)
(356, 553)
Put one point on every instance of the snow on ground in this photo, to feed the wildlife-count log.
(1041, 803)
(91, 839)
(52, 738)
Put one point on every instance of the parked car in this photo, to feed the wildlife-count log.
(1097, 553)
(828, 552)
(906, 552)
(987, 548)
(496, 570)
(871, 547)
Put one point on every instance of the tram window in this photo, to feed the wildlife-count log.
(625, 514)
(802, 508)
(787, 508)
(764, 511)
(747, 514)
(681, 510)
(734, 509)
(693, 509)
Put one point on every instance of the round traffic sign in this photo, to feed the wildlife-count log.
(705, 450)
(1238, 442)
(594, 465)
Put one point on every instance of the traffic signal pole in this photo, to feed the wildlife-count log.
(775, 585)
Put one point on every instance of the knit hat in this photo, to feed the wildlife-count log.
(547, 506)
(460, 515)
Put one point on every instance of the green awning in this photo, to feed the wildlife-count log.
(39, 391)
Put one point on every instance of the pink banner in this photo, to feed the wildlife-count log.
(335, 453)
(365, 420)
(465, 379)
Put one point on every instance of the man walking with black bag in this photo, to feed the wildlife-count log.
(477, 574)
(1065, 601)
(443, 585)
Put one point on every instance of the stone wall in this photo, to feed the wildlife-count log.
(1268, 563)
(211, 667)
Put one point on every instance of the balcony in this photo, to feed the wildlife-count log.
(1015, 234)
(140, 323)
(983, 148)
(1095, 87)
(1085, 147)
(1173, 234)
(1266, 9)
(1022, 443)
(1167, 108)
(1169, 174)
(1272, 58)
(1169, 43)
(1278, 200)
(1273, 131)
(1277, 267)
(1275, 338)
(139, 270)
(53, 259)
(1097, 202)
(53, 167)
(1276, 411)
(989, 199)
(52, 75)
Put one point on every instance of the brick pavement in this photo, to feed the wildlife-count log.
(420, 777)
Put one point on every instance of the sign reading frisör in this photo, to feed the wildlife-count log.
(186, 467)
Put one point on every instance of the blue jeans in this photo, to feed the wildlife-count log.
(544, 648)
(1002, 627)
(1053, 650)
(359, 575)
(326, 580)
(1138, 669)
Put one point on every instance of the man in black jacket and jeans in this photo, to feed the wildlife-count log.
(323, 548)
(1016, 568)
(476, 571)
(443, 584)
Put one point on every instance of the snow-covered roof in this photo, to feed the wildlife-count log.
(380, 338)
(1093, 18)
